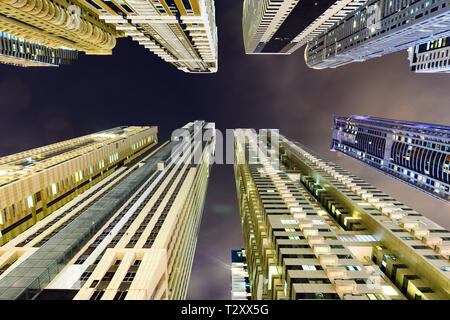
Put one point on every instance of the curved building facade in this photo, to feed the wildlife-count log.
(415, 153)
(57, 23)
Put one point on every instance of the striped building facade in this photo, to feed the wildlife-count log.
(130, 237)
(315, 231)
(181, 32)
(240, 285)
(20, 52)
(431, 57)
(37, 182)
(417, 154)
(376, 28)
(283, 26)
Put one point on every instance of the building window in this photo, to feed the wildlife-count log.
(54, 189)
(30, 202)
(289, 221)
(434, 257)
(120, 295)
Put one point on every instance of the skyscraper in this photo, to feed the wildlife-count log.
(20, 52)
(37, 182)
(240, 285)
(431, 57)
(377, 28)
(415, 153)
(131, 236)
(57, 24)
(181, 32)
(315, 231)
(283, 26)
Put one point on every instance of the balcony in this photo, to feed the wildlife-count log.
(305, 224)
(321, 249)
(313, 240)
(420, 233)
(345, 286)
(336, 272)
(396, 215)
(310, 232)
(328, 260)
(432, 241)
(410, 225)
(443, 250)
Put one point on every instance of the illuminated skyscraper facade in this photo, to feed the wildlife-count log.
(415, 153)
(377, 28)
(57, 24)
(20, 52)
(315, 231)
(37, 182)
(431, 57)
(240, 285)
(181, 32)
(283, 26)
(131, 236)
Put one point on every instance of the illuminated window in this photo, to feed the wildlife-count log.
(54, 191)
(289, 221)
(353, 268)
(30, 202)
(307, 267)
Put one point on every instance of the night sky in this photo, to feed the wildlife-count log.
(135, 87)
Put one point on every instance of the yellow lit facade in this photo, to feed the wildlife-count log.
(37, 182)
(183, 33)
(315, 231)
(140, 248)
(57, 24)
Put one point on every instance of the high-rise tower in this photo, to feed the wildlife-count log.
(57, 24)
(37, 182)
(315, 231)
(415, 153)
(431, 57)
(377, 28)
(132, 236)
(240, 285)
(23, 53)
(283, 26)
(181, 32)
